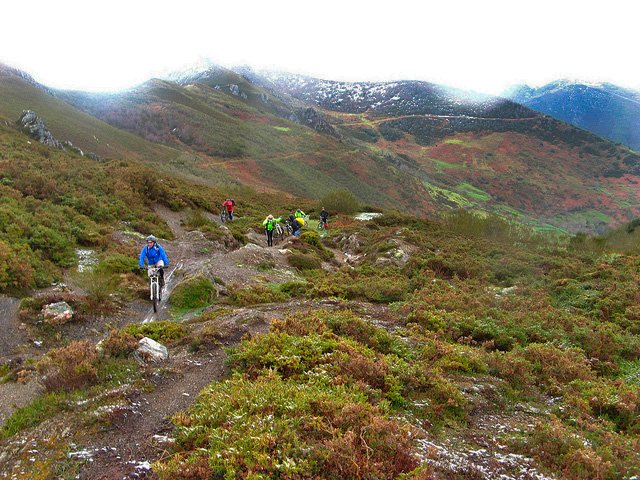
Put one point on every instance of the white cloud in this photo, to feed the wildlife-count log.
(484, 46)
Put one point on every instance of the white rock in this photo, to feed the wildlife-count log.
(57, 313)
(152, 350)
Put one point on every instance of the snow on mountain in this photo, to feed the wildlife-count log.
(605, 109)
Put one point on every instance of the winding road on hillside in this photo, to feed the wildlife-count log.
(377, 121)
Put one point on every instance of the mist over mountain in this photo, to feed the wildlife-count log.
(605, 109)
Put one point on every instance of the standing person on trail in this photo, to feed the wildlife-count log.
(269, 225)
(229, 205)
(155, 256)
(324, 215)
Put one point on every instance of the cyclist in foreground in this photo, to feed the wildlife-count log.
(155, 256)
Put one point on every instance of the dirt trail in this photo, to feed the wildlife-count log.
(131, 442)
(129, 446)
(11, 335)
(435, 117)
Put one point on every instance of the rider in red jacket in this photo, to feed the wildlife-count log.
(229, 205)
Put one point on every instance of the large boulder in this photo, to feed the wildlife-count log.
(151, 350)
(57, 313)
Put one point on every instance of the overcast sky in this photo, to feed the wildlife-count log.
(482, 45)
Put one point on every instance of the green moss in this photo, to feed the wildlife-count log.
(196, 292)
(163, 332)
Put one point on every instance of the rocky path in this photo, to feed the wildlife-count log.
(138, 438)
(135, 435)
(11, 335)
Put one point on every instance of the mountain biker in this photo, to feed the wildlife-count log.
(269, 225)
(295, 225)
(229, 204)
(324, 215)
(299, 214)
(155, 256)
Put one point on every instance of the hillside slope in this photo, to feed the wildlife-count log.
(480, 152)
(412, 145)
(20, 92)
(604, 109)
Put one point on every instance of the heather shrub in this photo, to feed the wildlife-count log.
(101, 288)
(313, 432)
(326, 356)
(119, 344)
(553, 366)
(254, 294)
(561, 448)
(303, 262)
(70, 367)
(347, 324)
(614, 401)
(166, 332)
(116, 264)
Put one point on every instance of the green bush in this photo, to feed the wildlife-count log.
(163, 332)
(303, 262)
(312, 431)
(70, 367)
(117, 263)
(193, 293)
(255, 294)
(340, 201)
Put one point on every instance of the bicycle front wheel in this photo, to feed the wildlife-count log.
(154, 295)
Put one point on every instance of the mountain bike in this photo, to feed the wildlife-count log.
(224, 215)
(322, 225)
(288, 230)
(155, 286)
(278, 231)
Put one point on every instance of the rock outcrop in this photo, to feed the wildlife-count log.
(311, 118)
(35, 127)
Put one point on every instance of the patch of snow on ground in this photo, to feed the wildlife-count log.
(87, 259)
(364, 216)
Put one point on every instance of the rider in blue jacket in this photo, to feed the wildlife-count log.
(155, 255)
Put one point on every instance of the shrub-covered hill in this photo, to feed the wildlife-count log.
(53, 202)
(410, 144)
(435, 350)
(19, 92)
(252, 144)
(469, 346)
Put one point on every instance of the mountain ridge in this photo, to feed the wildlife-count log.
(420, 148)
(605, 109)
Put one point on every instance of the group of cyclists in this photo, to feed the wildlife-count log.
(154, 255)
(294, 223)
